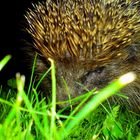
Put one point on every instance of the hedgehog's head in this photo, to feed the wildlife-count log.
(91, 41)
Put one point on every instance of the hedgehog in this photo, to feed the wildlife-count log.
(92, 42)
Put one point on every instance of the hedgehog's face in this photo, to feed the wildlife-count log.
(77, 78)
(74, 79)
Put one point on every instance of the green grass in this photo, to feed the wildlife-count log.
(25, 117)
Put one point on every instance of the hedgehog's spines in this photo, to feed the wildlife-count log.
(83, 27)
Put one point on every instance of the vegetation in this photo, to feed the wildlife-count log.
(28, 117)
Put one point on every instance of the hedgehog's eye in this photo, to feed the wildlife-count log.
(99, 70)
(93, 75)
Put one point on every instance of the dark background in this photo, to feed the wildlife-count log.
(12, 19)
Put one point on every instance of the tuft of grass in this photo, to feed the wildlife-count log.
(31, 118)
